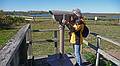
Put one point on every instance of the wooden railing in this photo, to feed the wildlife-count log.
(15, 51)
(102, 52)
(96, 48)
(55, 37)
(19, 48)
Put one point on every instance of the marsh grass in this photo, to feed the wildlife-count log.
(5, 35)
(46, 48)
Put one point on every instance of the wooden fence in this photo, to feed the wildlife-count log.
(15, 51)
(96, 48)
(19, 48)
(102, 52)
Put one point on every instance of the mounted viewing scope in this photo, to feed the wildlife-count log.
(66, 15)
(60, 15)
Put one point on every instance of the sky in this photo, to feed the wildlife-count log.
(90, 6)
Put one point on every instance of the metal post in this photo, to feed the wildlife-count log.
(97, 58)
(55, 42)
(61, 27)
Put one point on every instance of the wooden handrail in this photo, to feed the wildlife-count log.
(104, 38)
(11, 51)
(95, 34)
(97, 49)
(109, 40)
(9, 55)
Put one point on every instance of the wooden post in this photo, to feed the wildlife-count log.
(61, 27)
(16, 59)
(29, 43)
(81, 48)
(97, 58)
(23, 53)
(55, 42)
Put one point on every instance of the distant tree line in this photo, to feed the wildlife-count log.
(38, 12)
(23, 13)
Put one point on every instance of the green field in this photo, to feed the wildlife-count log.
(105, 29)
(109, 31)
(5, 35)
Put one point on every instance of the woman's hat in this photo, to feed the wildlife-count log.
(77, 12)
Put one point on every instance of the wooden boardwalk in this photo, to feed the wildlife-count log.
(18, 51)
(58, 60)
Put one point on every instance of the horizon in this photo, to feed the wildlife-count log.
(86, 6)
(62, 10)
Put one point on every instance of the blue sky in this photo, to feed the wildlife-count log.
(84, 5)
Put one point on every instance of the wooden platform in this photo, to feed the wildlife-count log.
(58, 60)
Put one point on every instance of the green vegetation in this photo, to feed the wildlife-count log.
(9, 26)
(5, 35)
(7, 21)
(43, 19)
(107, 30)
(90, 57)
(104, 28)
(23, 13)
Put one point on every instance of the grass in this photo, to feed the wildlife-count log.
(42, 19)
(90, 57)
(8, 33)
(105, 29)
(5, 35)
(110, 31)
(43, 49)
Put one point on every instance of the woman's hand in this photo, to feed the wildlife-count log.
(65, 21)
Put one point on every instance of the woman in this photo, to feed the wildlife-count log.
(76, 26)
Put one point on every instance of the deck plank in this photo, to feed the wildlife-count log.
(58, 60)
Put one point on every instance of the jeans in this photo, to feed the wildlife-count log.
(77, 54)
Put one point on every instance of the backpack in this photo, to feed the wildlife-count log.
(85, 31)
